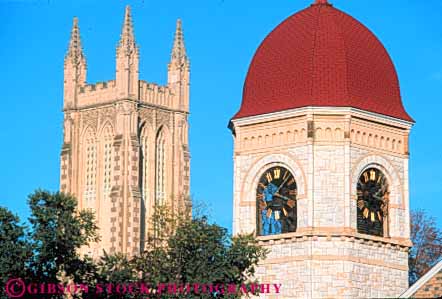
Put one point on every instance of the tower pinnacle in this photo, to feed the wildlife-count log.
(127, 40)
(179, 50)
(127, 59)
(75, 50)
(74, 68)
(179, 70)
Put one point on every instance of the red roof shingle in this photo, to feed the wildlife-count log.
(321, 56)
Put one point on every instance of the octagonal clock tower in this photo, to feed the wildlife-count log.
(321, 160)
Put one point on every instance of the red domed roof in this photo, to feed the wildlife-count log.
(321, 56)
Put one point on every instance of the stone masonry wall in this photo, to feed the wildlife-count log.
(326, 257)
(334, 267)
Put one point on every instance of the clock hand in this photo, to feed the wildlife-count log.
(288, 201)
(277, 190)
(281, 196)
(377, 197)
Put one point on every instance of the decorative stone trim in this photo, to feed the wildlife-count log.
(285, 134)
(323, 111)
(348, 234)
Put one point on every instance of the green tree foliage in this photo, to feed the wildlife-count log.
(183, 252)
(203, 253)
(113, 271)
(194, 251)
(178, 250)
(15, 251)
(58, 231)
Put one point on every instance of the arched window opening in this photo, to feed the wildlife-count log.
(372, 203)
(89, 166)
(107, 140)
(160, 168)
(276, 204)
(144, 164)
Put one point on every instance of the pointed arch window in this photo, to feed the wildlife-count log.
(90, 166)
(160, 167)
(144, 163)
(107, 139)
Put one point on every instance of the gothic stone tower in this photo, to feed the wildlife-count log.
(321, 160)
(125, 146)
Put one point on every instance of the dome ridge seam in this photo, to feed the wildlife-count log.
(314, 51)
(341, 35)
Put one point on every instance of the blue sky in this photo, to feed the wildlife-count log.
(221, 38)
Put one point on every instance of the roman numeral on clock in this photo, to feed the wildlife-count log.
(269, 177)
(291, 182)
(380, 178)
(365, 177)
(372, 175)
(277, 173)
(293, 192)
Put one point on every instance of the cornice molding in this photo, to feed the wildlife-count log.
(387, 120)
(347, 234)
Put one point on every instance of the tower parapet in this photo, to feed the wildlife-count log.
(99, 93)
(174, 96)
(157, 95)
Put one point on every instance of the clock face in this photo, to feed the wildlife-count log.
(276, 202)
(372, 202)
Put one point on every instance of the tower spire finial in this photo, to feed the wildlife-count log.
(179, 50)
(179, 70)
(127, 33)
(321, 2)
(74, 67)
(75, 50)
(127, 59)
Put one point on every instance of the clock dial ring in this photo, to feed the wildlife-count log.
(372, 202)
(276, 196)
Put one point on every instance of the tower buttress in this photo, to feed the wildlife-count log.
(179, 70)
(74, 68)
(127, 69)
